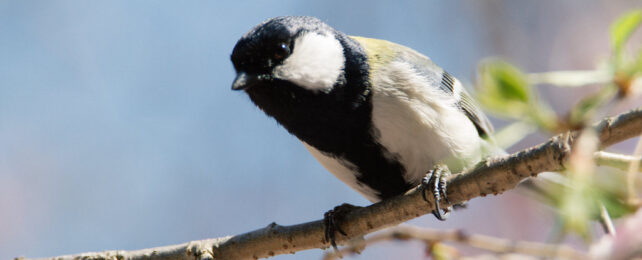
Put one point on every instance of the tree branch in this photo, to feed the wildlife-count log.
(492, 176)
(493, 244)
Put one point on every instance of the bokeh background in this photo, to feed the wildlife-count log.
(118, 128)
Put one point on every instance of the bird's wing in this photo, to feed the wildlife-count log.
(467, 104)
(449, 84)
(382, 52)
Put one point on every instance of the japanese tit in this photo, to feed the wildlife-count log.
(376, 114)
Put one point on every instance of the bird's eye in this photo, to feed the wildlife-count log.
(282, 51)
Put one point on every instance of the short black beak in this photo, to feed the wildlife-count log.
(244, 80)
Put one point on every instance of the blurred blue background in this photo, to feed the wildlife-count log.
(118, 128)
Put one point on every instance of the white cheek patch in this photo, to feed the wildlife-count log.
(315, 64)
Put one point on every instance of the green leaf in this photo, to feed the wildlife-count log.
(622, 29)
(509, 82)
(505, 91)
(504, 88)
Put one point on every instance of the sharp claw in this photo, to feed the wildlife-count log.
(437, 214)
(443, 184)
(424, 183)
(328, 221)
(436, 179)
(331, 219)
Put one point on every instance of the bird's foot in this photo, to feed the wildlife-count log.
(435, 182)
(333, 218)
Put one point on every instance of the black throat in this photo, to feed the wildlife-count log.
(337, 123)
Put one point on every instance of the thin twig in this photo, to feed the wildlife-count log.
(634, 167)
(571, 78)
(493, 244)
(606, 221)
(618, 161)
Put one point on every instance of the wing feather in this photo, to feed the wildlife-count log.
(381, 52)
(466, 104)
(451, 86)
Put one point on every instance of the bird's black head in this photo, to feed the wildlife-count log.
(302, 72)
(299, 49)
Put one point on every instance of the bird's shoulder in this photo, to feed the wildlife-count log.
(382, 52)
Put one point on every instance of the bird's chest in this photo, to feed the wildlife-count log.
(323, 120)
(344, 143)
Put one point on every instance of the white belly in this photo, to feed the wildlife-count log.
(344, 171)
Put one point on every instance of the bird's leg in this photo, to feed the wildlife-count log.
(331, 220)
(435, 182)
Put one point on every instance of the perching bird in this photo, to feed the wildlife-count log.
(376, 114)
